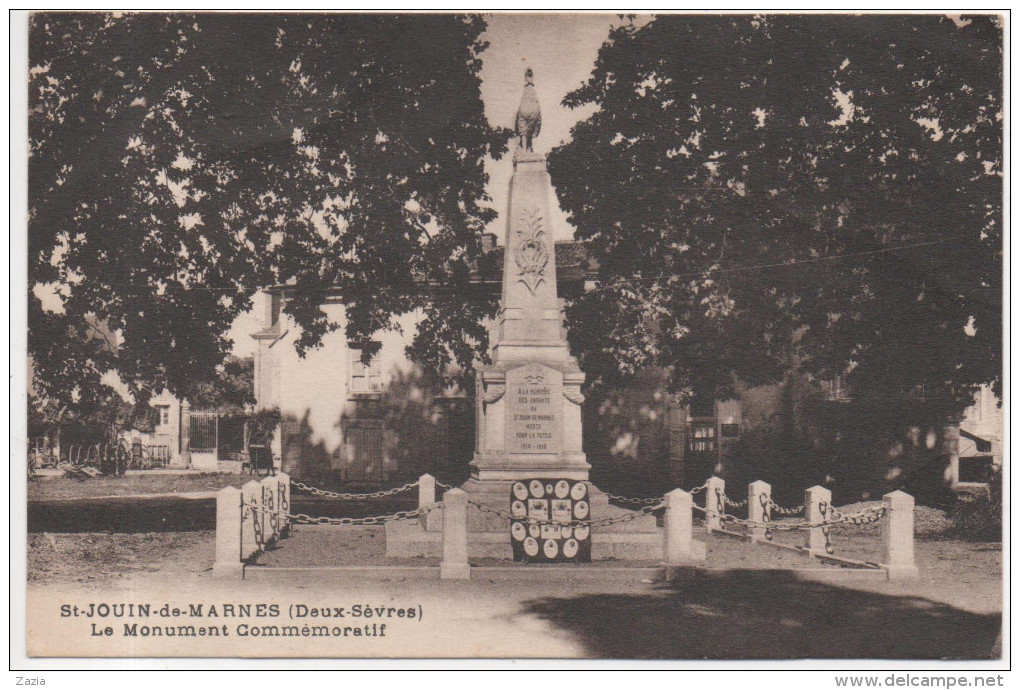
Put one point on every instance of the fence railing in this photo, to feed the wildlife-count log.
(897, 511)
(253, 517)
(249, 520)
(115, 457)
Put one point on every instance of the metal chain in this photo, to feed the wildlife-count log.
(786, 512)
(255, 507)
(733, 504)
(863, 517)
(303, 519)
(641, 501)
(353, 497)
(720, 501)
(615, 497)
(601, 522)
(826, 510)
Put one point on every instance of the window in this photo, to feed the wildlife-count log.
(836, 389)
(364, 378)
(730, 430)
(702, 438)
(163, 414)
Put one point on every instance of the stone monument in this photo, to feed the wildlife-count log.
(528, 400)
(528, 409)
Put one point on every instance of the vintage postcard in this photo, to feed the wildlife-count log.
(668, 337)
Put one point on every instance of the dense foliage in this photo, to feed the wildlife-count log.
(766, 194)
(231, 391)
(181, 162)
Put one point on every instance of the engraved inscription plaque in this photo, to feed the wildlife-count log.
(534, 409)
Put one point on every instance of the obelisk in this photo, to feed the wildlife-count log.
(528, 400)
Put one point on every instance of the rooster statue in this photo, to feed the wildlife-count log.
(529, 115)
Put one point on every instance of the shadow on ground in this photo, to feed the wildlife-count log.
(177, 513)
(767, 616)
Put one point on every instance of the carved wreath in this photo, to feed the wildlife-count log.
(531, 254)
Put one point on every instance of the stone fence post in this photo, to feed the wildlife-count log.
(430, 521)
(817, 501)
(759, 508)
(426, 490)
(678, 523)
(715, 489)
(184, 436)
(898, 530)
(283, 502)
(454, 565)
(251, 520)
(228, 534)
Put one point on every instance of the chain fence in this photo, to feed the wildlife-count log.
(300, 518)
(303, 519)
(730, 503)
(786, 512)
(831, 516)
(650, 501)
(350, 496)
(615, 497)
(862, 517)
(638, 501)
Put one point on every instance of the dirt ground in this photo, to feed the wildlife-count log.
(747, 601)
(727, 612)
(103, 559)
(50, 488)
(958, 573)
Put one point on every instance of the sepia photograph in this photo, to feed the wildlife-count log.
(491, 335)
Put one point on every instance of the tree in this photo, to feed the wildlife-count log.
(69, 392)
(231, 392)
(181, 162)
(780, 193)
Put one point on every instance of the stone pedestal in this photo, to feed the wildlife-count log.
(528, 404)
(528, 407)
(528, 417)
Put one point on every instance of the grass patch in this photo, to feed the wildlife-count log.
(40, 489)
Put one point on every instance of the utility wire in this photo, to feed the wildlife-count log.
(734, 269)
